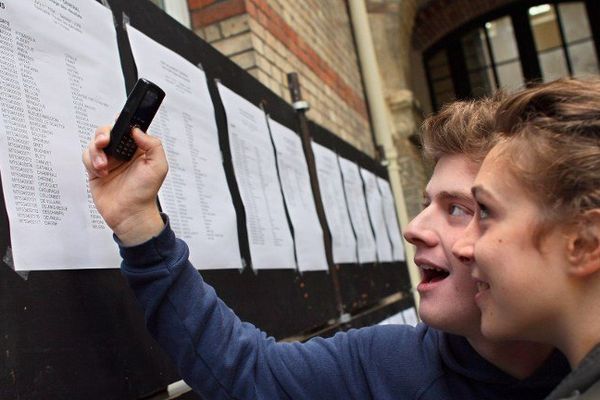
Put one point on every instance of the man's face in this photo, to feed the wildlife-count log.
(447, 289)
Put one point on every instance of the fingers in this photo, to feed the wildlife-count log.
(150, 145)
(94, 158)
(102, 136)
(96, 148)
(153, 151)
(98, 164)
(144, 142)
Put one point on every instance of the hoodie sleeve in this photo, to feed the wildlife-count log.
(220, 356)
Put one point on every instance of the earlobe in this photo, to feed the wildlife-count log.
(583, 246)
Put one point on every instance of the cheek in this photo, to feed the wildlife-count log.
(515, 272)
(496, 245)
(467, 287)
(451, 234)
(484, 248)
(462, 280)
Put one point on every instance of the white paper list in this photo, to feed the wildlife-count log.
(195, 194)
(298, 195)
(253, 158)
(391, 220)
(60, 77)
(357, 205)
(343, 242)
(375, 207)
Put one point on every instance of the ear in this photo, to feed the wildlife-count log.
(583, 246)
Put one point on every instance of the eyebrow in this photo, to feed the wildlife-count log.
(450, 195)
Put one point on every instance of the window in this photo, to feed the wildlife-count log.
(522, 42)
(505, 52)
(548, 41)
(479, 63)
(177, 9)
(441, 81)
(159, 3)
(578, 38)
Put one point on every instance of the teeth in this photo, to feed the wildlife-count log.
(429, 267)
(481, 286)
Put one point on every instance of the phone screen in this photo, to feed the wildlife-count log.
(146, 108)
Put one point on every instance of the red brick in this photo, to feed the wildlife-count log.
(207, 12)
(217, 12)
(251, 9)
(197, 4)
(262, 19)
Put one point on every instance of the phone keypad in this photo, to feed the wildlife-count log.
(126, 147)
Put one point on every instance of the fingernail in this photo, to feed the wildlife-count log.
(98, 161)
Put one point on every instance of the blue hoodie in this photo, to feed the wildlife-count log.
(221, 357)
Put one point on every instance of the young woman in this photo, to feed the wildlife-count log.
(534, 243)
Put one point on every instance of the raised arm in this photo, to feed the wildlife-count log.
(217, 354)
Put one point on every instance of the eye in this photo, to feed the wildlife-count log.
(484, 212)
(457, 211)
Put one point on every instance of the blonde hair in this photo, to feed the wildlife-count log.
(462, 127)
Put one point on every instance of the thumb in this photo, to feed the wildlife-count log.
(146, 143)
(152, 149)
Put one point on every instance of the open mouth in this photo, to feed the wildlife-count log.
(433, 274)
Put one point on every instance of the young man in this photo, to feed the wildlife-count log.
(223, 357)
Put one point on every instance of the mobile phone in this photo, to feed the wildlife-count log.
(139, 110)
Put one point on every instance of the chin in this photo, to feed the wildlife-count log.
(441, 320)
(451, 319)
(496, 332)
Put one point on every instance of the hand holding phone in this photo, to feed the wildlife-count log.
(125, 193)
(139, 110)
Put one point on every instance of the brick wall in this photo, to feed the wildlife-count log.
(270, 38)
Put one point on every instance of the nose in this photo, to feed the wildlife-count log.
(464, 247)
(419, 231)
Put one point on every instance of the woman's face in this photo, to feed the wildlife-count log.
(520, 284)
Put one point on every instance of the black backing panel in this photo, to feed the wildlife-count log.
(80, 334)
(362, 285)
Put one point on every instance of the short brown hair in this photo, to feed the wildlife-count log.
(462, 127)
(552, 134)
